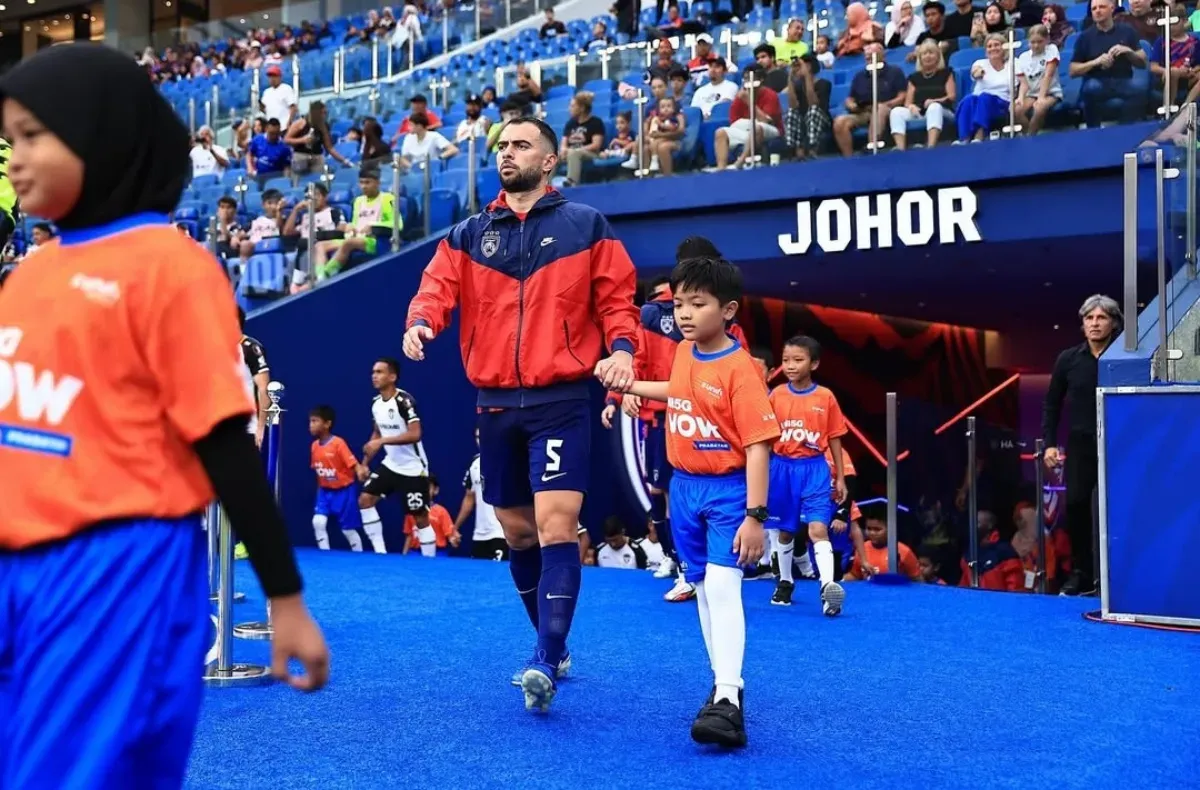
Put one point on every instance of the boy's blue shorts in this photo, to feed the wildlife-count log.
(799, 492)
(341, 503)
(706, 511)
(102, 644)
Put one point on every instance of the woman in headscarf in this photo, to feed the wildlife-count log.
(1054, 17)
(905, 27)
(860, 30)
(124, 414)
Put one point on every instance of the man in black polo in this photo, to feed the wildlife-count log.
(1075, 378)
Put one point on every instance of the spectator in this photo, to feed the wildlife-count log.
(1037, 71)
(268, 155)
(1105, 56)
(488, 96)
(935, 30)
(417, 104)
(310, 140)
(716, 91)
(989, 99)
(876, 550)
(1025, 545)
(663, 134)
(444, 529)
(374, 149)
(1185, 58)
(508, 111)
(42, 233)
(552, 27)
(891, 89)
(327, 220)
(374, 213)
(931, 95)
(422, 145)
(624, 144)
(600, 38)
(679, 85)
(697, 67)
(959, 23)
(808, 125)
(1022, 13)
(793, 44)
(991, 21)
(476, 124)
(1142, 17)
(230, 232)
(658, 91)
(775, 76)
(582, 137)
(824, 52)
(627, 12)
(208, 159)
(768, 122)
(528, 91)
(860, 31)
(664, 61)
(267, 225)
(617, 551)
(1054, 17)
(999, 566)
(408, 32)
(905, 28)
(278, 101)
(927, 561)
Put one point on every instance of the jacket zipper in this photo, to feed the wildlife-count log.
(567, 332)
(520, 305)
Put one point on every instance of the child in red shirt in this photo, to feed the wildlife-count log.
(439, 518)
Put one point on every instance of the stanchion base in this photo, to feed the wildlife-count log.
(237, 597)
(238, 675)
(253, 631)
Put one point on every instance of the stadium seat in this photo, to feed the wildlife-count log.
(265, 274)
(443, 209)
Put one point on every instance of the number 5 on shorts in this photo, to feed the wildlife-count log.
(553, 460)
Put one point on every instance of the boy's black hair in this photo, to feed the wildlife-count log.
(273, 122)
(613, 526)
(272, 194)
(763, 353)
(662, 279)
(808, 344)
(696, 247)
(323, 412)
(929, 552)
(369, 172)
(224, 200)
(324, 190)
(48, 228)
(392, 363)
(433, 482)
(713, 275)
(627, 115)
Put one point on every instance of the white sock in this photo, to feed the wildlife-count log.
(785, 559)
(428, 540)
(705, 619)
(373, 526)
(772, 545)
(804, 563)
(724, 591)
(320, 529)
(823, 551)
(353, 538)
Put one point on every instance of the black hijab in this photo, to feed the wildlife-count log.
(103, 107)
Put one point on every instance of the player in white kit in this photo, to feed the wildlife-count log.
(488, 542)
(405, 469)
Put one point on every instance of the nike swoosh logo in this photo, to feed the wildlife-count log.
(548, 478)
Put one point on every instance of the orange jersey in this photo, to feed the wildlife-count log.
(439, 519)
(334, 463)
(808, 419)
(117, 353)
(847, 464)
(878, 556)
(717, 406)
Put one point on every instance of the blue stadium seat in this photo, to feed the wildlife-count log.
(269, 245)
(266, 273)
(443, 209)
(187, 212)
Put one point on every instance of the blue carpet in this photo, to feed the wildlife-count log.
(912, 686)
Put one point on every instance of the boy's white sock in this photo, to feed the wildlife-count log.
(428, 540)
(353, 539)
(823, 551)
(772, 545)
(785, 560)
(705, 618)
(320, 528)
(723, 589)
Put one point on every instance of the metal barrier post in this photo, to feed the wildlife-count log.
(507, 18)
(255, 94)
(1168, 107)
(222, 671)
(375, 61)
(396, 184)
(1012, 45)
(412, 51)
(264, 630)
(240, 188)
(893, 530)
(310, 222)
(433, 89)
(339, 70)
(445, 31)
(605, 56)
(212, 236)
(972, 503)
(373, 97)
(1039, 480)
(472, 171)
(1190, 196)
(752, 85)
(426, 178)
(1160, 222)
(212, 529)
(874, 145)
(446, 84)
(216, 104)
(296, 75)
(643, 162)
(192, 115)
(572, 70)
(390, 58)
(1129, 297)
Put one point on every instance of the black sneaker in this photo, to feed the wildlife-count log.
(783, 594)
(1077, 585)
(720, 724)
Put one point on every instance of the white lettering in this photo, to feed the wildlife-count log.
(688, 425)
(10, 338)
(877, 221)
(679, 404)
(39, 397)
(801, 435)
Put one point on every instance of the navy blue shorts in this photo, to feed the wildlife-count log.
(658, 468)
(102, 644)
(799, 492)
(706, 511)
(341, 503)
(537, 448)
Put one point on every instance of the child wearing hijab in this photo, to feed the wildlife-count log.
(123, 413)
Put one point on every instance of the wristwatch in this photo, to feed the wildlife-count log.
(759, 514)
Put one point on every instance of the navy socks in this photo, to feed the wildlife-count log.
(525, 565)
(557, 593)
(662, 525)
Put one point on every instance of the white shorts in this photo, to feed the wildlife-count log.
(739, 132)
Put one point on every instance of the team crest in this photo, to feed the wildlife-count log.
(490, 243)
(391, 412)
(666, 323)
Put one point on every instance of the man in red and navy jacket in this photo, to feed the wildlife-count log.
(655, 356)
(544, 288)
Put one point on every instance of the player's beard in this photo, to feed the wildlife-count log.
(522, 181)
